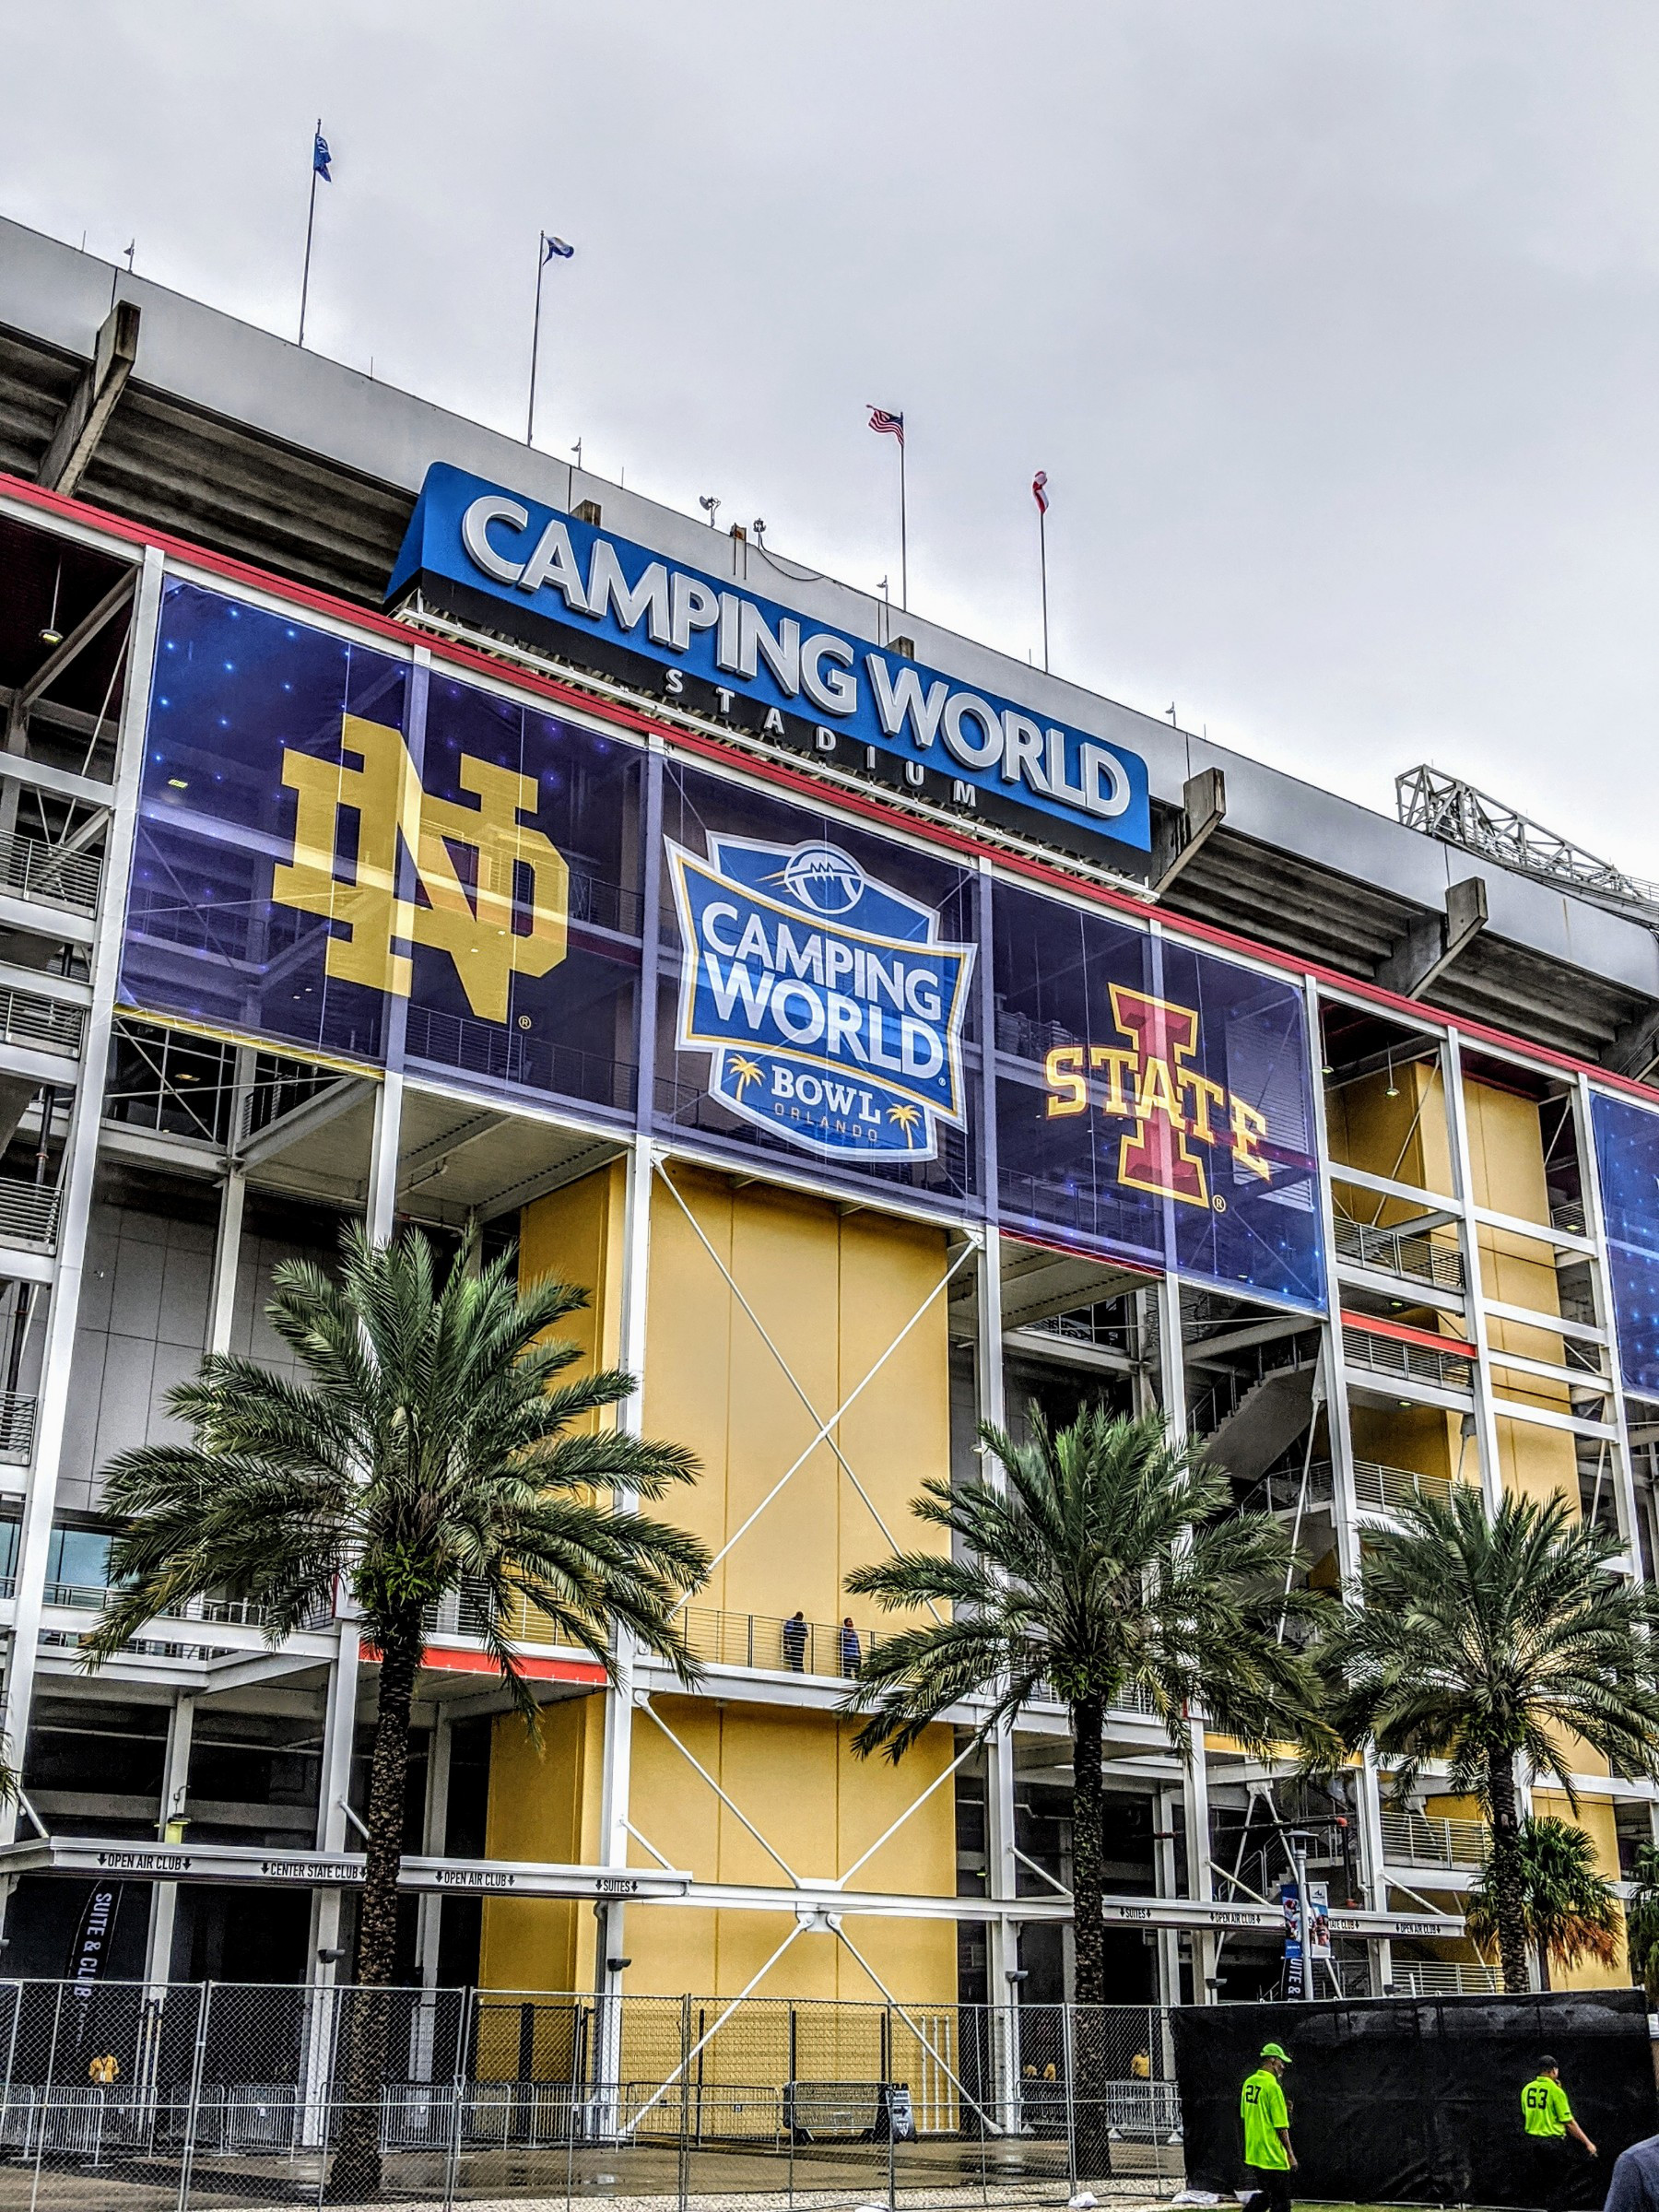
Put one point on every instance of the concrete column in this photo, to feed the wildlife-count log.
(1345, 1501)
(80, 1160)
(616, 1782)
(380, 1211)
(1195, 1786)
(175, 1784)
(437, 1823)
(1163, 1867)
(226, 1253)
(1457, 1124)
(1001, 1869)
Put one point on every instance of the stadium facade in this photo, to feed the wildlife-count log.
(399, 823)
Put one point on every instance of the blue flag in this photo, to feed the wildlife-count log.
(321, 158)
(556, 246)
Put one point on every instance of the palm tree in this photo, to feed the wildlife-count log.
(1641, 1921)
(433, 1446)
(1571, 1910)
(1109, 1564)
(1477, 1638)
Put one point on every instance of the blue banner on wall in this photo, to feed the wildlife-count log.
(828, 1001)
(1626, 1161)
(551, 568)
(1154, 1101)
(324, 843)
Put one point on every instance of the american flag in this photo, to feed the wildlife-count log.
(890, 426)
(1039, 491)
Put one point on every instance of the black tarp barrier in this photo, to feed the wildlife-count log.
(1417, 2100)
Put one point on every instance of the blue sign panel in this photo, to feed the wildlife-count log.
(818, 991)
(826, 998)
(1627, 1162)
(1153, 1101)
(550, 568)
(345, 856)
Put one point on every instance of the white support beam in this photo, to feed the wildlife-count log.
(430, 1926)
(616, 1788)
(305, 1120)
(78, 1168)
(175, 1784)
(1463, 1174)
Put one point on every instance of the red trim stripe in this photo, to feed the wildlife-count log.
(1369, 1325)
(455, 1660)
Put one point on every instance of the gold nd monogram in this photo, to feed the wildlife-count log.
(392, 812)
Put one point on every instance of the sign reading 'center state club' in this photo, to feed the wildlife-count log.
(831, 1006)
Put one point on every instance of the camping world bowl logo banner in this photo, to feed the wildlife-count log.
(830, 1004)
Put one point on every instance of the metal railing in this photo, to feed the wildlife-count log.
(1426, 1840)
(190, 2095)
(38, 870)
(217, 1612)
(1382, 1487)
(28, 1212)
(1393, 1356)
(1444, 1978)
(46, 1024)
(1405, 1252)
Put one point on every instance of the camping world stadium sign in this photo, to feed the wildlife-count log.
(830, 1004)
(500, 559)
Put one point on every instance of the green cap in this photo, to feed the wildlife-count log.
(1277, 2051)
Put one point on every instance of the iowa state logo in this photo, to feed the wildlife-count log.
(832, 1006)
(1149, 1080)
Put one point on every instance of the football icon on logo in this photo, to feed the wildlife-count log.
(824, 877)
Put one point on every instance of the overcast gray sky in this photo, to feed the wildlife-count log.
(1334, 322)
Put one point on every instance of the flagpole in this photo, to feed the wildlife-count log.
(310, 220)
(1042, 555)
(903, 533)
(541, 264)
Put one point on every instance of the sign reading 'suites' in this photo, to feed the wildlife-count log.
(554, 568)
(832, 1006)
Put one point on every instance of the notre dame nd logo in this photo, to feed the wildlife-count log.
(473, 924)
(1178, 1115)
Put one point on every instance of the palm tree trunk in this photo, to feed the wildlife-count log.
(357, 2166)
(1508, 1887)
(377, 1929)
(1088, 1927)
(1091, 2150)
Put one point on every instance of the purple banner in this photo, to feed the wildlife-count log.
(819, 989)
(1153, 1102)
(340, 856)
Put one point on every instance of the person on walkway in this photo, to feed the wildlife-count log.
(852, 1656)
(794, 1643)
(1268, 2157)
(1554, 2138)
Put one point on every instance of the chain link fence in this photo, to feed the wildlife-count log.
(219, 2094)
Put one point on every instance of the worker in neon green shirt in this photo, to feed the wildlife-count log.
(1552, 2132)
(1267, 2152)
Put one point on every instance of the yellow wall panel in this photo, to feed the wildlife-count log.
(575, 1233)
(1594, 1816)
(795, 1776)
(544, 1804)
(832, 1292)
